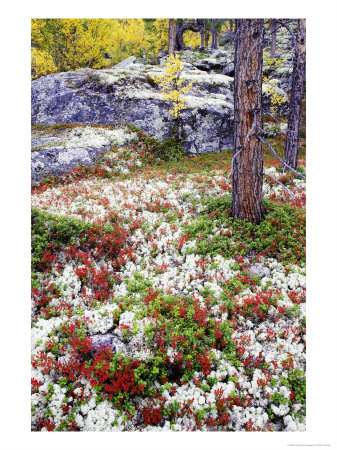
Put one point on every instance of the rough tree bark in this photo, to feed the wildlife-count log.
(247, 161)
(179, 41)
(171, 37)
(294, 116)
(183, 25)
(202, 33)
(273, 38)
(206, 38)
(232, 31)
(214, 36)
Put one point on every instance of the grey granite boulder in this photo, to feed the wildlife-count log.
(57, 155)
(219, 54)
(37, 142)
(126, 62)
(61, 161)
(130, 95)
(108, 340)
(228, 69)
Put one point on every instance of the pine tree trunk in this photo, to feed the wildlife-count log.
(202, 34)
(171, 37)
(202, 39)
(273, 38)
(214, 36)
(206, 39)
(231, 28)
(179, 41)
(248, 165)
(294, 116)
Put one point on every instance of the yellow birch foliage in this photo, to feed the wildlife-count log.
(270, 85)
(271, 89)
(41, 63)
(87, 41)
(172, 86)
(162, 31)
(192, 39)
(75, 43)
(157, 37)
(72, 43)
(127, 38)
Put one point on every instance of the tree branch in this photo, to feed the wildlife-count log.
(283, 23)
(230, 172)
(277, 156)
(275, 118)
(284, 187)
(251, 128)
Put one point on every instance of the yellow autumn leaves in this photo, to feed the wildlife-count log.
(69, 44)
(172, 86)
(75, 43)
(270, 85)
(276, 96)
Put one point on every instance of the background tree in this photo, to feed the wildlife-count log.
(127, 38)
(273, 38)
(95, 40)
(214, 35)
(232, 30)
(183, 25)
(247, 160)
(41, 63)
(207, 23)
(157, 36)
(47, 35)
(76, 43)
(216, 28)
(297, 86)
(171, 37)
(202, 33)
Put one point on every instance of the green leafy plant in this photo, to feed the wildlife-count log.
(280, 234)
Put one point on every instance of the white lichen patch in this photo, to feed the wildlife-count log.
(216, 100)
(143, 85)
(90, 137)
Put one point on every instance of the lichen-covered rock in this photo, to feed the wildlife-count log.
(108, 340)
(126, 62)
(259, 269)
(130, 95)
(60, 161)
(56, 155)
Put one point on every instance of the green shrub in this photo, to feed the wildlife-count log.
(171, 150)
(297, 381)
(280, 234)
(46, 229)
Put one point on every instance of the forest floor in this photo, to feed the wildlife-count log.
(152, 309)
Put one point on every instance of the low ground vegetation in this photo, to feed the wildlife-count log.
(152, 309)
